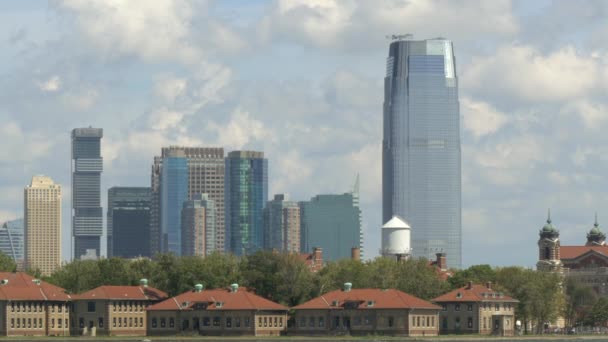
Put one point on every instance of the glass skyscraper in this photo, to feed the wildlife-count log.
(421, 179)
(246, 183)
(12, 240)
(173, 194)
(87, 216)
(128, 221)
(332, 222)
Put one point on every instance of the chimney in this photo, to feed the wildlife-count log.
(469, 285)
(355, 254)
(489, 285)
(317, 255)
(442, 262)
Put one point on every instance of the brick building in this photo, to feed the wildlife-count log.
(219, 312)
(366, 311)
(476, 309)
(114, 310)
(31, 307)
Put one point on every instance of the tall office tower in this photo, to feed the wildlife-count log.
(332, 222)
(198, 226)
(42, 210)
(128, 220)
(246, 193)
(204, 173)
(421, 179)
(87, 216)
(11, 241)
(282, 225)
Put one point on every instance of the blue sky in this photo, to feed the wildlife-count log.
(303, 80)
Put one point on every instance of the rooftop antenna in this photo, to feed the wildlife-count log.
(406, 36)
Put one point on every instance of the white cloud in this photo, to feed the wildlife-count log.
(79, 99)
(592, 114)
(359, 23)
(525, 73)
(170, 87)
(481, 118)
(241, 130)
(51, 85)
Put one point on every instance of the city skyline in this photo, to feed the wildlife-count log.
(224, 75)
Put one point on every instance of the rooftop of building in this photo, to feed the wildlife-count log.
(111, 292)
(366, 299)
(573, 252)
(22, 286)
(396, 222)
(474, 293)
(235, 298)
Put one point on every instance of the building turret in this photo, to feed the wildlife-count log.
(595, 237)
(548, 248)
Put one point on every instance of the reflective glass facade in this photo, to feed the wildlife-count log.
(173, 193)
(12, 241)
(246, 193)
(332, 222)
(128, 221)
(87, 217)
(421, 177)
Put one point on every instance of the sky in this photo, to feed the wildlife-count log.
(302, 80)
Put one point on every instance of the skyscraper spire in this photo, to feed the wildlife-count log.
(549, 215)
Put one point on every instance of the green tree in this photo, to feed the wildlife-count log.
(476, 273)
(598, 315)
(260, 272)
(335, 274)
(295, 281)
(114, 271)
(219, 270)
(7, 264)
(417, 278)
(578, 301)
(77, 276)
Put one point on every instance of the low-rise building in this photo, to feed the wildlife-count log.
(366, 311)
(114, 310)
(477, 309)
(219, 312)
(31, 307)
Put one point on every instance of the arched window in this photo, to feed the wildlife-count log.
(547, 253)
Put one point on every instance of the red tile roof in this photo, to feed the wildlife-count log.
(367, 299)
(240, 300)
(573, 252)
(22, 286)
(476, 293)
(124, 293)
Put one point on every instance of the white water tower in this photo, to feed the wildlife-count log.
(396, 237)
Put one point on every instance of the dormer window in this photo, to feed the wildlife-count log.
(219, 304)
(335, 303)
(458, 295)
(370, 303)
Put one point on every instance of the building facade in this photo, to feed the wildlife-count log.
(246, 189)
(42, 234)
(204, 174)
(12, 241)
(421, 167)
(220, 312)
(332, 222)
(198, 225)
(366, 312)
(128, 221)
(87, 216)
(114, 310)
(31, 307)
(282, 225)
(477, 309)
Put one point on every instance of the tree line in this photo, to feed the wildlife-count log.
(287, 279)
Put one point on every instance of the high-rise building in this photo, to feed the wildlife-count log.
(246, 184)
(87, 216)
(198, 225)
(177, 175)
(12, 242)
(282, 225)
(421, 179)
(42, 212)
(128, 221)
(332, 222)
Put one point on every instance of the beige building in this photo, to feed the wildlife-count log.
(477, 309)
(114, 310)
(42, 233)
(366, 312)
(198, 225)
(219, 312)
(31, 307)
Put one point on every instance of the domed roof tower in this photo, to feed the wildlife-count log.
(595, 237)
(548, 248)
